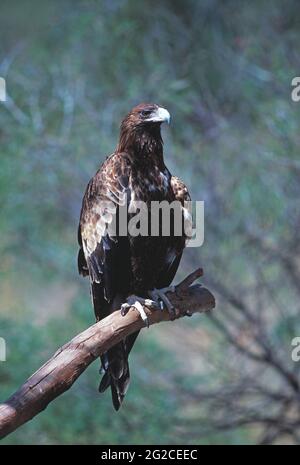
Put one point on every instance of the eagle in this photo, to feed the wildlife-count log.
(127, 270)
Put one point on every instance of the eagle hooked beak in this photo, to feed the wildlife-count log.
(161, 115)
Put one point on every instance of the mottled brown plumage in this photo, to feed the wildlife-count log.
(120, 266)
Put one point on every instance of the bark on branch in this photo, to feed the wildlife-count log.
(59, 373)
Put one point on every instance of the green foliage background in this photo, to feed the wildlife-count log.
(73, 69)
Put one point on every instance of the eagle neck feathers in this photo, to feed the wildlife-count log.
(143, 145)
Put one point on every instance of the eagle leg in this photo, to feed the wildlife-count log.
(137, 303)
(159, 296)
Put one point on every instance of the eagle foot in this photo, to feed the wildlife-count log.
(137, 303)
(159, 296)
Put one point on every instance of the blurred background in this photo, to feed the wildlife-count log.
(223, 69)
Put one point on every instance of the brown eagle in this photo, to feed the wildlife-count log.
(129, 270)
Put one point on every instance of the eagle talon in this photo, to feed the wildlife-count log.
(159, 295)
(124, 309)
(137, 303)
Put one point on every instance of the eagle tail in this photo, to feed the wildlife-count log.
(119, 388)
(115, 361)
(117, 375)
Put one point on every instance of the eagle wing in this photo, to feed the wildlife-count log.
(180, 190)
(182, 195)
(103, 255)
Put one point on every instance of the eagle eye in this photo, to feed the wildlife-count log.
(146, 112)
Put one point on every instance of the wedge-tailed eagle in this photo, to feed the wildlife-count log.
(126, 269)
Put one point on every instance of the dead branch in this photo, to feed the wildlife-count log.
(59, 373)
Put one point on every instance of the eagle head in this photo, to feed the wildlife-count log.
(140, 129)
(146, 114)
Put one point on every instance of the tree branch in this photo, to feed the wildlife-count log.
(59, 373)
